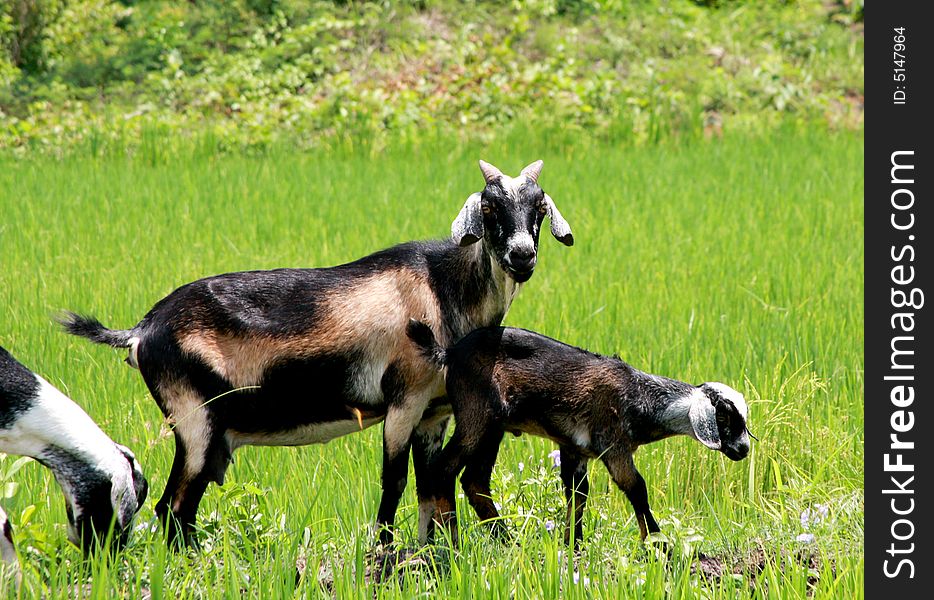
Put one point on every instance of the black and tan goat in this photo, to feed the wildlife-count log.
(302, 356)
(512, 380)
(102, 481)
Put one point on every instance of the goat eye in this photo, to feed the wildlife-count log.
(485, 209)
(542, 209)
(721, 419)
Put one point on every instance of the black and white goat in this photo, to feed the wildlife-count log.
(102, 481)
(302, 356)
(505, 379)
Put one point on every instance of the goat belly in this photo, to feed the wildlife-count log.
(301, 391)
(315, 433)
(302, 401)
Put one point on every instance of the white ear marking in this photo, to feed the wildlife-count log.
(703, 418)
(467, 228)
(559, 227)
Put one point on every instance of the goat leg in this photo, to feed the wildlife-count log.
(426, 449)
(404, 413)
(627, 478)
(576, 488)
(476, 483)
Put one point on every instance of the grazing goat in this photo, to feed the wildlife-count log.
(102, 481)
(301, 356)
(505, 379)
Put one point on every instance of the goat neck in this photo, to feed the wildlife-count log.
(657, 406)
(481, 292)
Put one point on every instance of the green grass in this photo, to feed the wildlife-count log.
(737, 260)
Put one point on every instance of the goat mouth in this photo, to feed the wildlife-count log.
(520, 276)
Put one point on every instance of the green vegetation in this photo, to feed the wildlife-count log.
(110, 75)
(707, 153)
(699, 259)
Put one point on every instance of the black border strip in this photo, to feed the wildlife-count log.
(898, 127)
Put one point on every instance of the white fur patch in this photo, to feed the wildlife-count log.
(426, 512)
(55, 420)
(493, 304)
(676, 416)
(733, 396)
(520, 240)
(133, 358)
(511, 185)
(581, 437)
(366, 381)
(191, 424)
(401, 421)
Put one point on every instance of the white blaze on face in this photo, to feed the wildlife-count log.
(520, 240)
(732, 395)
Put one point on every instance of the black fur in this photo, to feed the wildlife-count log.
(422, 335)
(18, 389)
(91, 490)
(92, 329)
(8, 531)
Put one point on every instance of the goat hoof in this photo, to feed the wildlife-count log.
(501, 533)
(385, 535)
(658, 547)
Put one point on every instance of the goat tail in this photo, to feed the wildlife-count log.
(92, 329)
(420, 333)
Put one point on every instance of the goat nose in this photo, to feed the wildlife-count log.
(522, 259)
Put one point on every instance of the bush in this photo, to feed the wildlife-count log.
(257, 71)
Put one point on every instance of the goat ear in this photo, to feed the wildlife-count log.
(467, 228)
(703, 417)
(559, 227)
(140, 483)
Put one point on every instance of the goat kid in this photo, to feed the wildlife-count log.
(301, 356)
(593, 406)
(102, 481)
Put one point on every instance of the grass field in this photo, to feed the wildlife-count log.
(737, 260)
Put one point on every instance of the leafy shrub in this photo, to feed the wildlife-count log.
(253, 72)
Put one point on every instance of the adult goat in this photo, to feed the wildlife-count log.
(302, 356)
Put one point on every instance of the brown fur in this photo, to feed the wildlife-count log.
(375, 310)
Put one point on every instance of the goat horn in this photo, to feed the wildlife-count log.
(490, 173)
(533, 171)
